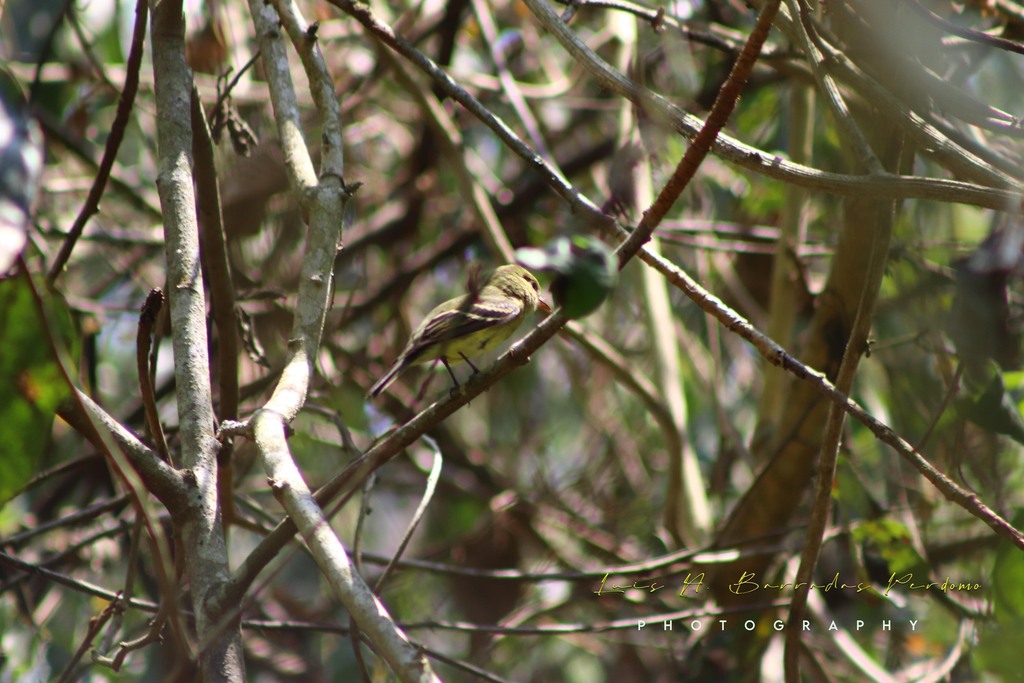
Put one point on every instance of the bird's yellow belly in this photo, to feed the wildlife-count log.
(455, 350)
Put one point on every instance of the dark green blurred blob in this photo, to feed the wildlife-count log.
(585, 272)
(985, 401)
(31, 382)
(985, 327)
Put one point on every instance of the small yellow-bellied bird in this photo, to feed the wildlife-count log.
(470, 324)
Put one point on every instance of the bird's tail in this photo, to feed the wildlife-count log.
(389, 377)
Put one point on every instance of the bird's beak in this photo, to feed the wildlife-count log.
(542, 305)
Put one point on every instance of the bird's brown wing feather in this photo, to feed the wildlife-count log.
(467, 320)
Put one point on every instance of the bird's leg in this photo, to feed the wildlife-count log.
(457, 388)
(449, 369)
(476, 370)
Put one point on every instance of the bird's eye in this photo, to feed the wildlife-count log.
(536, 287)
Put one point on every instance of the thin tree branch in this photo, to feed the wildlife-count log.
(776, 355)
(202, 533)
(323, 202)
(84, 587)
(166, 483)
(214, 257)
(304, 38)
(96, 624)
(121, 119)
(821, 508)
(428, 495)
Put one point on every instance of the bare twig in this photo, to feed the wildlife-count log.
(83, 587)
(225, 93)
(973, 35)
(121, 118)
(152, 635)
(95, 626)
(150, 310)
(428, 494)
(821, 509)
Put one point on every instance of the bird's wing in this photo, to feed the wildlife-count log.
(465, 320)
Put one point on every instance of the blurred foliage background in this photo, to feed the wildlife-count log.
(650, 448)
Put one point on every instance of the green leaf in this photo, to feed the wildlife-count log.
(891, 540)
(31, 382)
